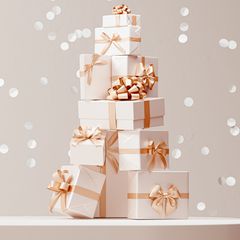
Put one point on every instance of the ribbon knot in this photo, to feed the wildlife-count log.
(164, 203)
(160, 150)
(121, 9)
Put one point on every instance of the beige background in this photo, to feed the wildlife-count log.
(200, 69)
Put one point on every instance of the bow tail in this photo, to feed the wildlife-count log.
(54, 200)
(152, 162)
(163, 162)
(119, 47)
(89, 77)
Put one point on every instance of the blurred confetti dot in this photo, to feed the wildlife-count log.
(69, 153)
(86, 32)
(31, 163)
(43, 81)
(52, 36)
(205, 151)
(32, 143)
(78, 73)
(184, 27)
(235, 131)
(231, 122)
(223, 43)
(180, 139)
(50, 15)
(176, 153)
(230, 181)
(232, 89)
(232, 45)
(183, 38)
(188, 102)
(184, 11)
(13, 92)
(4, 148)
(2, 82)
(201, 206)
(221, 180)
(38, 26)
(57, 10)
(64, 46)
(78, 33)
(74, 89)
(28, 125)
(72, 37)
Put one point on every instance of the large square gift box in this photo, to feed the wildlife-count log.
(117, 40)
(95, 76)
(158, 194)
(76, 190)
(145, 149)
(122, 115)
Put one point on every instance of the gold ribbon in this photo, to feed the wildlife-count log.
(127, 88)
(146, 114)
(61, 186)
(121, 9)
(83, 133)
(88, 68)
(112, 115)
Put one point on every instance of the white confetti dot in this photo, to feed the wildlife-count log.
(52, 36)
(176, 153)
(184, 11)
(183, 38)
(235, 131)
(230, 181)
(78, 33)
(72, 37)
(205, 151)
(188, 102)
(231, 122)
(57, 10)
(50, 15)
(28, 125)
(32, 143)
(232, 45)
(2, 82)
(38, 26)
(13, 92)
(232, 89)
(4, 148)
(43, 81)
(184, 27)
(31, 163)
(86, 32)
(224, 43)
(201, 206)
(180, 139)
(64, 46)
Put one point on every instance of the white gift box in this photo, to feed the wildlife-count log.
(123, 66)
(122, 115)
(117, 40)
(158, 194)
(145, 149)
(95, 76)
(121, 20)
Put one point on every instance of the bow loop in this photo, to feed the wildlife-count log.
(121, 9)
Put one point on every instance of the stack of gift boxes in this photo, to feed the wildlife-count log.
(118, 162)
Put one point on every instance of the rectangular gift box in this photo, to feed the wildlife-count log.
(131, 66)
(83, 189)
(145, 149)
(122, 115)
(117, 40)
(95, 76)
(158, 195)
(121, 20)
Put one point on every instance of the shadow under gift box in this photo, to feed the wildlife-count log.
(118, 40)
(170, 203)
(122, 115)
(121, 20)
(145, 149)
(82, 200)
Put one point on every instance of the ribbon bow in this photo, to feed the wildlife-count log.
(161, 150)
(164, 203)
(127, 88)
(82, 133)
(88, 68)
(121, 9)
(61, 186)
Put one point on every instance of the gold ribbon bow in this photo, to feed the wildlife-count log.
(164, 203)
(61, 186)
(88, 68)
(127, 88)
(161, 150)
(121, 9)
(83, 133)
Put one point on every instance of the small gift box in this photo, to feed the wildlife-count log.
(95, 76)
(143, 150)
(121, 20)
(144, 68)
(158, 194)
(117, 40)
(76, 190)
(122, 115)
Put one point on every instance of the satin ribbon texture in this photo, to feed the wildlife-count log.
(127, 88)
(164, 203)
(83, 133)
(121, 9)
(61, 186)
(160, 151)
